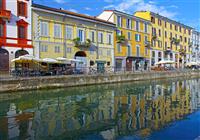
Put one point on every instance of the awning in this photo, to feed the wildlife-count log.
(165, 62)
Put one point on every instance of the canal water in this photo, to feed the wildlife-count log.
(151, 110)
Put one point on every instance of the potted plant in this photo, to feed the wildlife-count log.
(121, 39)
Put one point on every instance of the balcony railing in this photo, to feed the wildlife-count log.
(15, 42)
(5, 14)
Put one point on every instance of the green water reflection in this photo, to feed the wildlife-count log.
(108, 111)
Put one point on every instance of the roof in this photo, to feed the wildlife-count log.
(168, 19)
(120, 12)
(72, 13)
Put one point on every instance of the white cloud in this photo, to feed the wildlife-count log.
(109, 6)
(73, 10)
(154, 8)
(173, 6)
(130, 6)
(59, 1)
(88, 8)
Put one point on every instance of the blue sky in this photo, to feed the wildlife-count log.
(185, 11)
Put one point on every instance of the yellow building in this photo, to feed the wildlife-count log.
(170, 39)
(131, 40)
(60, 33)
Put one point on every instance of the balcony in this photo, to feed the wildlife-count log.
(79, 43)
(168, 49)
(5, 14)
(147, 44)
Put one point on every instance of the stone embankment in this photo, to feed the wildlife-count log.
(32, 83)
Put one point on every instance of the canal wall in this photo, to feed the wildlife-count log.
(32, 83)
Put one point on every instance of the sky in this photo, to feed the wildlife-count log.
(184, 11)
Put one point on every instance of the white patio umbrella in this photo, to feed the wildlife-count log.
(49, 60)
(75, 60)
(165, 62)
(25, 58)
(63, 60)
(192, 64)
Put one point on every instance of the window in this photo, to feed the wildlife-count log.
(189, 32)
(57, 49)
(69, 50)
(108, 52)
(138, 51)
(152, 19)
(129, 35)
(2, 28)
(159, 22)
(154, 43)
(184, 31)
(21, 32)
(92, 52)
(180, 29)
(159, 44)
(154, 31)
(181, 38)
(145, 27)
(119, 48)
(176, 28)
(145, 39)
(109, 39)
(137, 26)
(69, 32)
(146, 51)
(119, 32)
(43, 48)
(92, 36)
(185, 40)
(57, 30)
(137, 37)
(159, 32)
(100, 52)
(81, 35)
(21, 9)
(165, 34)
(100, 37)
(44, 29)
(170, 35)
(119, 21)
(128, 50)
(165, 45)
(153, 54)
(128, 23)
(171, 26)
(2, 6)
(165, 24)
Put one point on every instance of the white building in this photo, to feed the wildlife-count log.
(195, 57)
(15, 31)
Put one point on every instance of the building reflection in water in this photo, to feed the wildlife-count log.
(119, 111)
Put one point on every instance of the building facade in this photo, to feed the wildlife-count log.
(60, 33)
(15, 31)
(130, 41)
(195, 57)
(170, 39)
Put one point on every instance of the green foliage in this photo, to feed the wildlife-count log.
(121, 39)
(78, 43)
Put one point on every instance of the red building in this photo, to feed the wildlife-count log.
(15, 31)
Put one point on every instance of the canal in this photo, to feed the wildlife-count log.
(151, 110)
